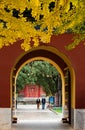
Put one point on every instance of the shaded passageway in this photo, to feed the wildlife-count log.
(29, 118)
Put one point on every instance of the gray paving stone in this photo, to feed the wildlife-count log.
(29, 118)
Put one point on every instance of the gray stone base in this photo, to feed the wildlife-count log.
(79, 119)
(5, 118)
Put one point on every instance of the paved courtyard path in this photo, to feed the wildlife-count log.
(29, 118)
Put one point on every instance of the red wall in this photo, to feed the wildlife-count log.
(8, 56)
(76, 56)
(32, 91)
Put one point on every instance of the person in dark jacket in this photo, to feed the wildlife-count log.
(43, 103)
(38, 103)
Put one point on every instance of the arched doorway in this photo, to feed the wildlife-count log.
(63, 65)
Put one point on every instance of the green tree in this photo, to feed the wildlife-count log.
(40, 73)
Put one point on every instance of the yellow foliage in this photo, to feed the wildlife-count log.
(39, 20)
(1, 44)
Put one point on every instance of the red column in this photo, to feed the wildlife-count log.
(39, 91)
(26, 91)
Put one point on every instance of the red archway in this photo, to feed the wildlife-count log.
(58, 60)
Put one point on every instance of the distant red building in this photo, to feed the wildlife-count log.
(32, 91)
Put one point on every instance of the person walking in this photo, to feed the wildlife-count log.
(43, 103)
(38, 103)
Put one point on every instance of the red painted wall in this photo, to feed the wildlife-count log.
(76, 56)
(32, 91)
(8, 56)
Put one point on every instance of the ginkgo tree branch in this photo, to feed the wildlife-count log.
(39, 20)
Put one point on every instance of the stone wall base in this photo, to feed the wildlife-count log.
(5, 118)
(79, 119)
